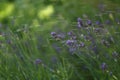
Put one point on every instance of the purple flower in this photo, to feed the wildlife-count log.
(38, 61)
(79, 20)
(74, 37)
(88, 38)
(103, 66)
(97, 30)
(70, 42)
(53, 34)
(82, 44)
(80, 23)
(97, 22)
(57, 36)
(60, 36)
(89, 22)
(107, 22)
(95, 49)
(72, 50)
(70, 33)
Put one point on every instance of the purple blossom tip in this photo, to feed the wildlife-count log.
(103, 66)
(70, 42)
(82, 44)
(89, 22)
(38, 61)
(97, 23)
(53, 33)
(80, 22)
(70, 33)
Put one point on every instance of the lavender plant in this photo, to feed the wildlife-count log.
(91, 49)
(86, 49)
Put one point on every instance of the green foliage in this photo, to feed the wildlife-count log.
(29, 52)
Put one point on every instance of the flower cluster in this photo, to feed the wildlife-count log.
(89, 39)
(57, 36)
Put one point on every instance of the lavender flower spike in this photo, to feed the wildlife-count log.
(53, 34)
(80, 23)
(89, 22)
(103, 66)
(38, 61)
(70, 42)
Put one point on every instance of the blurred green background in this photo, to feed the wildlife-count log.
(36, 12)
(45, 15)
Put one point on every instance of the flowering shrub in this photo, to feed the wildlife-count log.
(92, 46)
